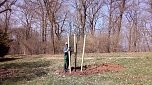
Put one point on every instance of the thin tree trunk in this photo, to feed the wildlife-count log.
(109, 28)
(51, 17)
(130, 38)
(52, 37)
(122, 8)
(44, 33)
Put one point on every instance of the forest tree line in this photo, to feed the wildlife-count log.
(41, 26)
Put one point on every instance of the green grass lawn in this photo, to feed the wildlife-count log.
(40, 70)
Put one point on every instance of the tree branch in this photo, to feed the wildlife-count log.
(1, 4)
(5, 10)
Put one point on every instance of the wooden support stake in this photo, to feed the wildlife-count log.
(75, 51)
(69, 54)
(83, 52)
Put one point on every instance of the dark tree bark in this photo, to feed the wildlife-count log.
(109, 27)
(122, 9)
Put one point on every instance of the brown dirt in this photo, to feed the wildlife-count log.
(93, 69)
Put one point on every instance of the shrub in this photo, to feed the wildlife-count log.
(4, 43)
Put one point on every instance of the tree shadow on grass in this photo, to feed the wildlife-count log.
(8, 59)
(14, 72)
(24, 65)
(78, 68)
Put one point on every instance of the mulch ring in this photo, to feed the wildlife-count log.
(92, 69)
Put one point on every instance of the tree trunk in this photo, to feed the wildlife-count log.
(122, 9)
(109, 28)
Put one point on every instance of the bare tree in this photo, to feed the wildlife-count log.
(110, 26)
(6, 7)
(27, 20)
(122, 9)
(2, 4)
(94, 14)
(81, 7)
(132, 17)
(42, 13)
(56, 19)
(43, 24)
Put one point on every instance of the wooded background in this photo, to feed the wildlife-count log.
(41, 26)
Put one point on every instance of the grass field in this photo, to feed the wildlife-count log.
(40, 70)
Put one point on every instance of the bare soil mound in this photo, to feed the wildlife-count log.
(92, 69)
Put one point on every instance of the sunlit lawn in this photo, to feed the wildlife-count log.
(40, 70)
